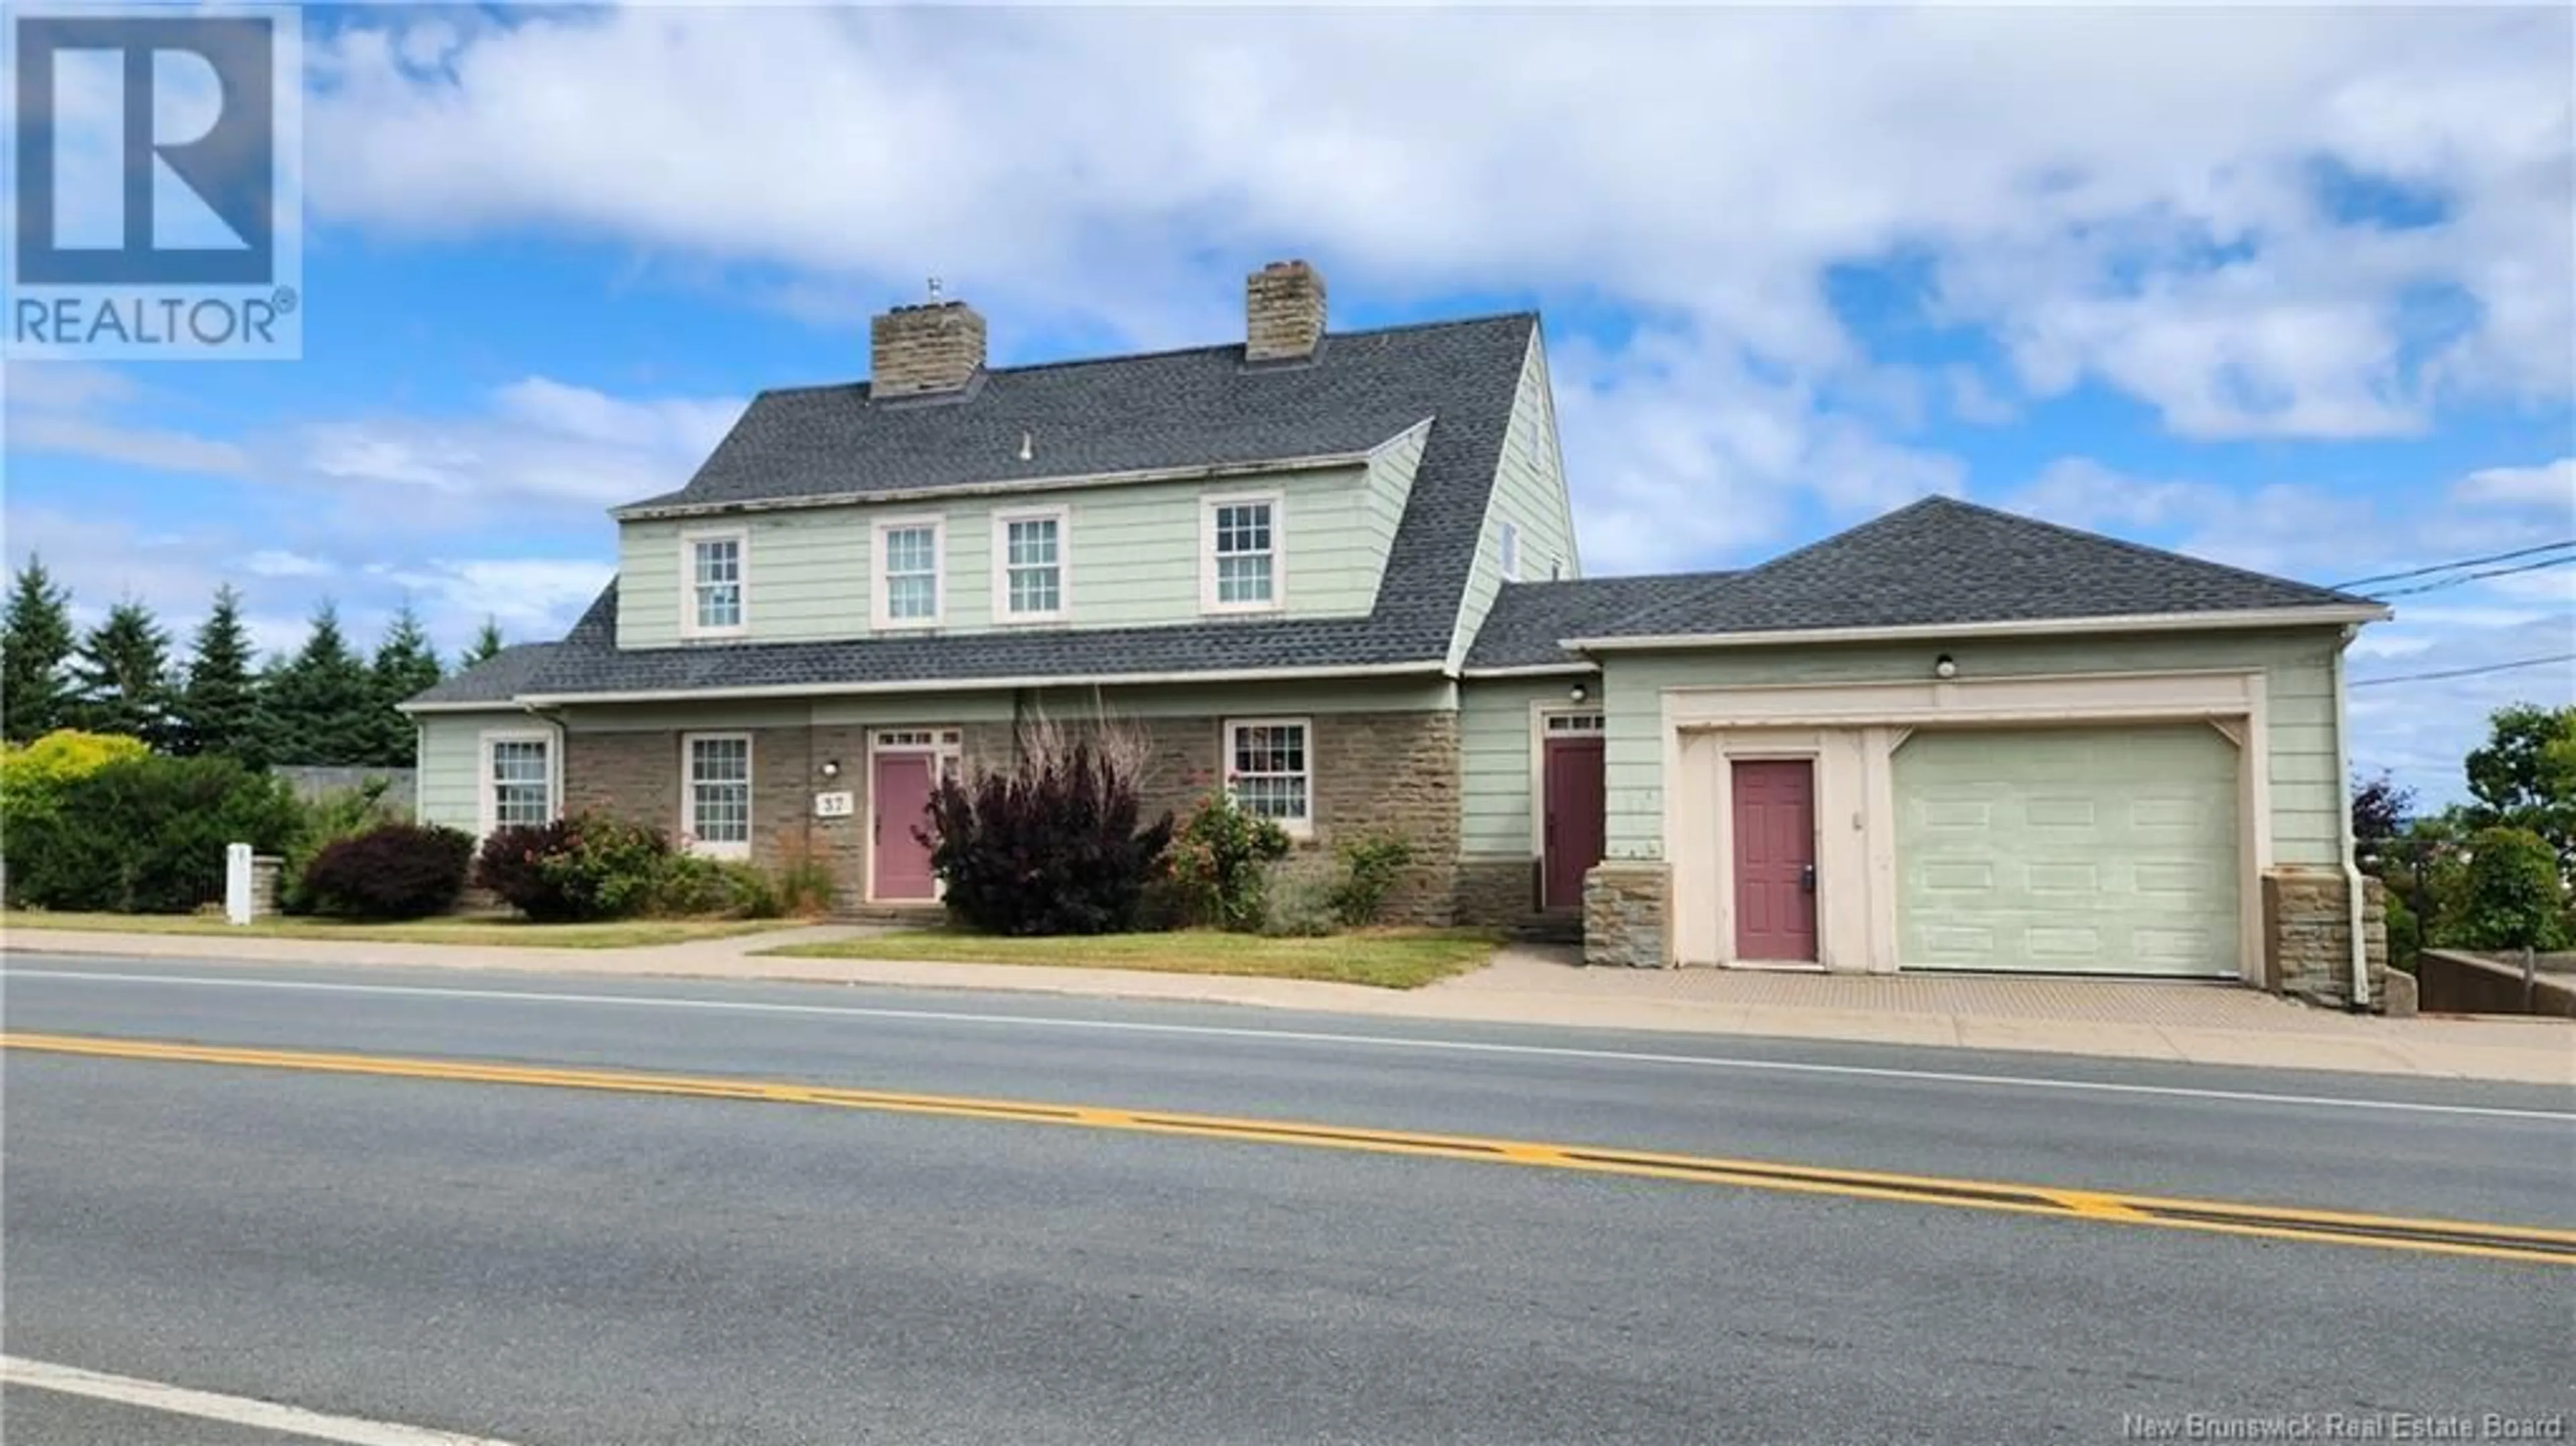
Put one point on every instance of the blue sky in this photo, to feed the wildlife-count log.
(2290, 289)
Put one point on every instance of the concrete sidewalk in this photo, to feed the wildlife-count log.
(2183, 1022)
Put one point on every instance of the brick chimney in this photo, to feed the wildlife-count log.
(916, 351)
(1283, 312)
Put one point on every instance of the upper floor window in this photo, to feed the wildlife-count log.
(1242, 554)
(1029, 578)
(1511, 552)
(908, 565)
(715, 577)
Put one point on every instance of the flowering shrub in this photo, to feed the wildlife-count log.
(1217, 860)
(586, 867)
(397, 871)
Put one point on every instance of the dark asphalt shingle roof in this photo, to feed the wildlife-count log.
(1529, 619)
(1943, 561)
(1169, 409)
(590, 661)
(1198, 408)
(497, 679)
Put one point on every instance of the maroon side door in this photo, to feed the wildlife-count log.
(898, 860)
(1575, 819)
(1775, 859)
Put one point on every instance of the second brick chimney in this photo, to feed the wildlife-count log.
(918, 351)
(1283, 312)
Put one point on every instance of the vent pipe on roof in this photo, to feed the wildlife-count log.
(1283, 312)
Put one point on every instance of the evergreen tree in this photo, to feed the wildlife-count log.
(486, 643)
(219, 704)
(319, 706)
(122, 676)
(35, 638)
(405, 664)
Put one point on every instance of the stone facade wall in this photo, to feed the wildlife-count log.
(1370, 771)
(2307, 936)
(1394, 772)
(1627, 914)
(1498, 893)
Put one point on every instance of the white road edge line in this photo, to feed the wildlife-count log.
(234, 1410)
(1293, 1036)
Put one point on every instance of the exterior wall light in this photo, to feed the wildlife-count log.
(831, 768)
(1943, 667)
(1576, 692)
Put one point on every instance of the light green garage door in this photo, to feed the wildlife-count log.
(2068, 850)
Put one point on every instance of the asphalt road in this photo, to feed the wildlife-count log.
(547, 1265)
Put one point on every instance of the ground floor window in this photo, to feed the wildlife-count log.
(717, 798)
(1270, 769)
(518, 780)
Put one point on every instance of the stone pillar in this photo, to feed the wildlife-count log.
(1627, 913)
(265, 871)
(2307, 936)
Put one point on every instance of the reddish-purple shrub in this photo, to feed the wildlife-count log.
(1049, 848)
(397, 871)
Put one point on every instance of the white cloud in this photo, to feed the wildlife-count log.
(2550, 486)
(2131, 196)
(538, 441)
(274, 562)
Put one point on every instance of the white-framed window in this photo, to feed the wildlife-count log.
(910, 589)
(714, 579)
(1029, 572)
(1270, 769)
(1509, 546)
(518, 778)
(1242, 560)
(715, 793)
(1573, 722)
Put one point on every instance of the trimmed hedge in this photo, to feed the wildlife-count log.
(146, 835)
(397, 871)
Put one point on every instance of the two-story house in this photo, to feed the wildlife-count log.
(1335, 572)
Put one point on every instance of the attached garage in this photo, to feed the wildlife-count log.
(2069, 850)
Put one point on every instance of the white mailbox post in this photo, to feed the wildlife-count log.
(237, 883)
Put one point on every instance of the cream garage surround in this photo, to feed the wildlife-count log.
(1954, 772)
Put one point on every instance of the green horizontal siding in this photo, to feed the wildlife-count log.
(1529, 493)
(1132, 557)
(2306, 777)
(1494, 762)
(451, 757)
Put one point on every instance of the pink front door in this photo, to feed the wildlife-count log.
(1575, 820)
(899, 862)
(1775, 860)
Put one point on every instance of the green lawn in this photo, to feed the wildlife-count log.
(1387, 958)
(514, 933)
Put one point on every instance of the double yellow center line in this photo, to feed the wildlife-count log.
(2386, 1232)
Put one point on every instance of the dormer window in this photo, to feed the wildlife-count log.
(909, 585)
(1028, 575)
(714, 579)
(1242, 556)
(1510, 547)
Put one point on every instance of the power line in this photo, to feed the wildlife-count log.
(2463, 672)
(2463, 562)
(2470, 577)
